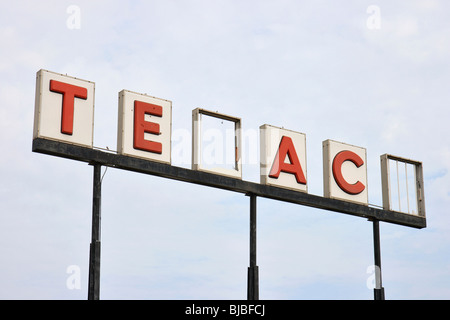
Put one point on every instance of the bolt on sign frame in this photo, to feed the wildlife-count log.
(197, 160)
(417, 184)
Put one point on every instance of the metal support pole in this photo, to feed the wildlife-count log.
(94, 254)
(378, 290)
(253, 281)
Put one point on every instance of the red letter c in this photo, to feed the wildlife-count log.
(339, 159)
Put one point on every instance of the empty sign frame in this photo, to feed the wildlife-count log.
(402, 184)
(214, 163)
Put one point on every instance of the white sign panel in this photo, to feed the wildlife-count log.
(344, 172)
(145, 126)
(283, 158)
(64, 108)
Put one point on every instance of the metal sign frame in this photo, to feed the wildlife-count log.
(109, 159)
(99, 158)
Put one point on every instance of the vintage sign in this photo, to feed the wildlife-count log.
(64, 111)
(63, 126)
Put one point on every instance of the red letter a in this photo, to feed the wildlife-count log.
(287, 148)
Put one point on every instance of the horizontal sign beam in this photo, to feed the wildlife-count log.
(80, 153)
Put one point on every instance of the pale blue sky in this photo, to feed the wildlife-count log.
(315, 67)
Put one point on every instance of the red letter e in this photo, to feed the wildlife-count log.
(141, 126)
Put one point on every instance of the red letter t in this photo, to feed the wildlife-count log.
(69, 92)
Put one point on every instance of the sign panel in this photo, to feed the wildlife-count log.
(64, 108)
(144, 126)
(344, 172)
(283, 158)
